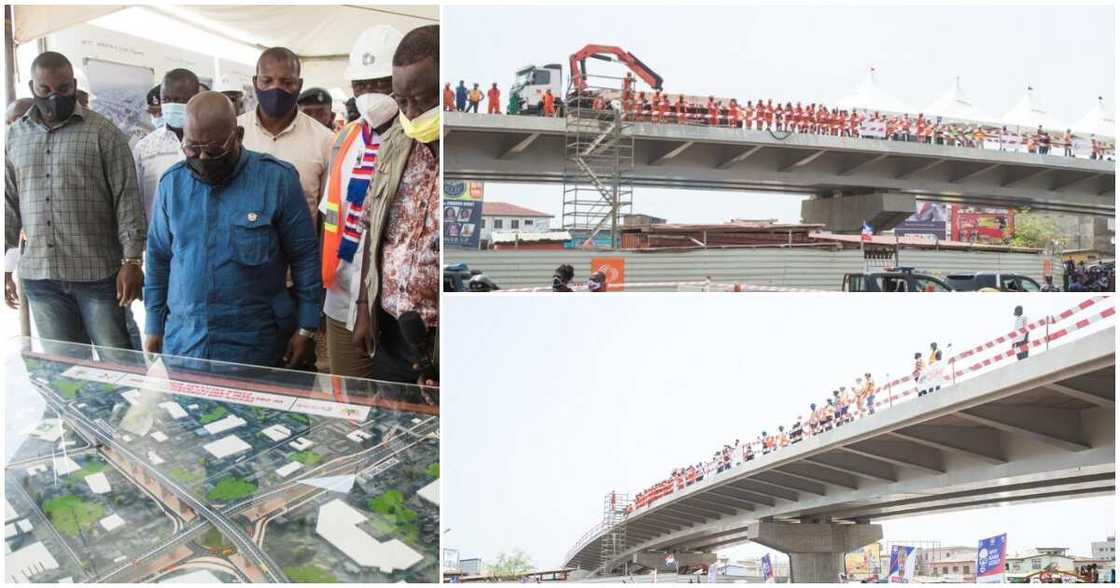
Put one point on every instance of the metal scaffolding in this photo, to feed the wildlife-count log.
(598, 161)
(613, 542)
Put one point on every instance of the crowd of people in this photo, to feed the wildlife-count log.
(1100, 277)
(817, 119)
(931, 371)
(254, 237)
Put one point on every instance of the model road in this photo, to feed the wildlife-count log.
(103, 432)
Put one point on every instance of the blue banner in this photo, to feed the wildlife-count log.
(991, 558)
(767, 569)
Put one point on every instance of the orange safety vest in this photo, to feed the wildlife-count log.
(333, 223)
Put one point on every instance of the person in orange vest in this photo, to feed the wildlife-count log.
(354, 157)
(734, 114)
(640, 106)
(627, 87)
(654, 108)
(713, 111)
(493, 100)
(448, 98)
(663, 108)
(548, 103)
(682, 110)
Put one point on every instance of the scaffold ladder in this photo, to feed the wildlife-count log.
(613, 542)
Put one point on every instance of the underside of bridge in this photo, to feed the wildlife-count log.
(1037, 430)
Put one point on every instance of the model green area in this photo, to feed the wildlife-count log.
(185, 476)
(70, 515)
(433, 470)
(88, 469)
(307, 458)
(68, 388)
(390, 506)
(213, 539)
(309, 575)
(230, 489)
(214, 414)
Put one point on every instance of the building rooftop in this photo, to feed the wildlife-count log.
(338, 524)
(507, 209)
(227, 446)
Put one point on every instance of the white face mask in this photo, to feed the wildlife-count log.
(377, 109)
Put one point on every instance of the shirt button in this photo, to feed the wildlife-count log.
(401, 288)
(48, 223)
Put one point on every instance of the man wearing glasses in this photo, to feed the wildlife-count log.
(227, 225)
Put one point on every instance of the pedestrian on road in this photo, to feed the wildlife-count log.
(1022, 346)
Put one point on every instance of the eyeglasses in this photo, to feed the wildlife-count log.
(211, 151)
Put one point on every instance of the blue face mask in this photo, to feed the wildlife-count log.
(174, 114)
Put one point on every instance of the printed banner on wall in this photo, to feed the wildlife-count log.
(767, 569)
(982, 225)
(462, 214)
(931, 220)
(991, 559)
(903, 561)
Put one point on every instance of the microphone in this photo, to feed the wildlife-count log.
(415, 334)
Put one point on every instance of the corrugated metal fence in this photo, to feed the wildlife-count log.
(787, 267)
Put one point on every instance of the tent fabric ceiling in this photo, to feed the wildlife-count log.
(309, 30)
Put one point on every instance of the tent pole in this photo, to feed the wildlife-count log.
(10, 53)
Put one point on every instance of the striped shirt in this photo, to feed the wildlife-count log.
(72, 191)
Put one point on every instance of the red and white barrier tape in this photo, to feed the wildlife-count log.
(736, 287)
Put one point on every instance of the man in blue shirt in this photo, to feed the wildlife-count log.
(461, 96)
(227, 225)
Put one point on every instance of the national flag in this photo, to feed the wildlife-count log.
(865, 232)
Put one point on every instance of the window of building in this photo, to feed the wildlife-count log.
(956, 568)
(1036, 563)
(497, 223)
(528, 222)
(483, 226)
(513, 224)
(966, 569)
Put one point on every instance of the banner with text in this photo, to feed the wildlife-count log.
(991, 559)
(903, 561)
(462, 214)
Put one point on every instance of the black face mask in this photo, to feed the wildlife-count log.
(57, 108)
(277, 102)
(215, 172)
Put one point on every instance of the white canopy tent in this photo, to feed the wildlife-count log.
(1028, 113)
(1098, 121)
(321, 34)
(869, 95)
(955, 105)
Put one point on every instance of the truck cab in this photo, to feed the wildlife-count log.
(1004, 282)
(531, 83)
(893, 280)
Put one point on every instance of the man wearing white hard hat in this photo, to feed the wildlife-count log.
(353, 159)
(234, 91)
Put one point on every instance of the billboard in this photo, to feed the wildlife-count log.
(462, 214)
(930, 220)
(974, 224)
(767, 569)
(903, 561)
(991, 559)
(863, 562)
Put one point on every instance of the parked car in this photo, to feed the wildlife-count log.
(1004, 282)
(902, 279)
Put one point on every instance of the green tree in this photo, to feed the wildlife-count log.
(216, 414)
(69, 514)
(1032, 230)
(510, 565)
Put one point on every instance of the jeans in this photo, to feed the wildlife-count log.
(79, 312)
(472, 107)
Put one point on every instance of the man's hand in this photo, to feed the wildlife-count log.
(362, 338)
(129, 282)
(153, 343)
(11, 293)
(299, 351)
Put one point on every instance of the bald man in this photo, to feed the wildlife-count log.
(239, 222)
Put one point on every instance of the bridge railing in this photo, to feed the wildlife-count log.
(965, 364)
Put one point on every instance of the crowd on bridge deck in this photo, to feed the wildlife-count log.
(813, 118)
(931, 371)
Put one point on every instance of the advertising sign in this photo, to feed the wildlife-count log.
(613, 268)
(863, 562)
(462, 214)
(873, 128)
(930, 220)
(767, 569)
(982, 225)
(991, 559)
(903, 561)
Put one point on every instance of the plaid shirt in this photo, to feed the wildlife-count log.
(72, 191)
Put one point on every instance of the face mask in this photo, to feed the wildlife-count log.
(277, 102)
(157, 122)
(56, 108)
(174, 114)
(377, 109)
(217, 171)
(424, 128)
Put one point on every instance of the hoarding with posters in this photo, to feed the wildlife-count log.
(767, 569)
(462, 214)
(991, 559)
(614, 270)
(974, 224)
(903, 561)
(930, 220)
(863, 562)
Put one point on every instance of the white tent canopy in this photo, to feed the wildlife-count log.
(1098, 121)
(954, 104)
(871, 96)
(1028, 113)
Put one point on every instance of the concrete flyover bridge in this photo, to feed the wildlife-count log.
(1038, 429)
(852, 179)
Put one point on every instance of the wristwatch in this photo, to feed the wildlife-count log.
(136, 261)
(306, 333)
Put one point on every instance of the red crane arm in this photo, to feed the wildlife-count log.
(579, 75)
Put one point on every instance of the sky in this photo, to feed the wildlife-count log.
(807, 53)
(557, 401)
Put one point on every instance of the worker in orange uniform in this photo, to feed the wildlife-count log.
(663, 108)
(493, 99)
(654, 110)
(448, 98)
(640, 106)
(549, 102)
(734, 114)
(713, 111)
(682, 110)
(627, 87)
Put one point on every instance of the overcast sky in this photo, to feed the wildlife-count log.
(558, 400)
(814, 53)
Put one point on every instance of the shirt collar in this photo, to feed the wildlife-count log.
(290, 128)
(32, 115)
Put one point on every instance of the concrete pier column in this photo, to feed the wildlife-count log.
(847, 213)
(816, 550)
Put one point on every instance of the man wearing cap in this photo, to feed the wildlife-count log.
(277, 127)
(160, 149)
(353, 159)
(316, 103)
(233, 91)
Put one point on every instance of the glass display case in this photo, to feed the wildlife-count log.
(123, 466)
